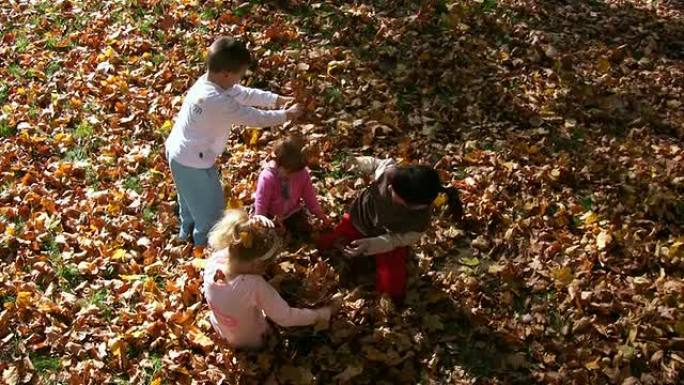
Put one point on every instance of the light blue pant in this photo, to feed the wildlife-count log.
(200, 200)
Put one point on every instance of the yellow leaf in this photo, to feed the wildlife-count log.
(335, 64)
(589, 217)
(156, 381)
(593, 365)
(603, 240)
(234, 203)
(47, 306)
(603, 65)
(440, 200)
(149, 284)
(166, 127)
(131, 277)
(199, 263)
(10, 230)
(503, 55)
(23, 299)
(563, 276)
(109, 52)
(63, 138)
(676, 247)
(118, 254)
(199, 339)
(254, 136)
(115, 346)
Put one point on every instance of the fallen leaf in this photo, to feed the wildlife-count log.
(348, 373)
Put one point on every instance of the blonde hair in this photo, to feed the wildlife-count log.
(244, 241)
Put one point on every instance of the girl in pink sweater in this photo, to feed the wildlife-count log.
(284, 184)
(238, 296)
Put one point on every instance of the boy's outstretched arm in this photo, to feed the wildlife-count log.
(382, 243)
(255, 97)
(371, 166)
(254, 117)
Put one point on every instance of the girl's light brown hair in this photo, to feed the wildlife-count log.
(291, 153)
(245, 242)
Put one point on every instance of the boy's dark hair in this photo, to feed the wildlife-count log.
(290, 153)
(228, 54)
(421, 184)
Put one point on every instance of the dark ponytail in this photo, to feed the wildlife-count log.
(421, 185)
(454, 202)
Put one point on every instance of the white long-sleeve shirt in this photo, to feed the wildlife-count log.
(202, 127)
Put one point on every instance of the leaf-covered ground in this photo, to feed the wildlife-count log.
(560, 121)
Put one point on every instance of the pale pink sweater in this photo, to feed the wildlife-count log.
(240, 306)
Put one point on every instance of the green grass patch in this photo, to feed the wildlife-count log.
(51, 246)
(7, 130)
(133, 183)
(4, 93)
(98, 299)
(45, 364)
(242, 10)
(50, 43)
(208, 14)
(155, 371)
(91, 177)
(586, 203)
(333, 95)
(33, 111)
(160, 36)
(83, 130)
(149, 213)
(336, 169)
(81, 153)
(158, 58)
(488, 5)
(15, 70)
(52, 68)
(68, 275)
(43, 7)
(21, 44)
(7, 298)
(147, 24)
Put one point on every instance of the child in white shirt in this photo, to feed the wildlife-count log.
(213, 104)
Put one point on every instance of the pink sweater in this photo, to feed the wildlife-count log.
(240, 306)
(269, 200)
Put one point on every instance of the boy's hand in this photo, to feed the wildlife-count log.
(357, 248)
(294, 112)
(323, 319)
(283, 101)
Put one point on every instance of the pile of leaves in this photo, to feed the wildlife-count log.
(560, 122)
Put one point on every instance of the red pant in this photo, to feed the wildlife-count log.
(390, 267)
